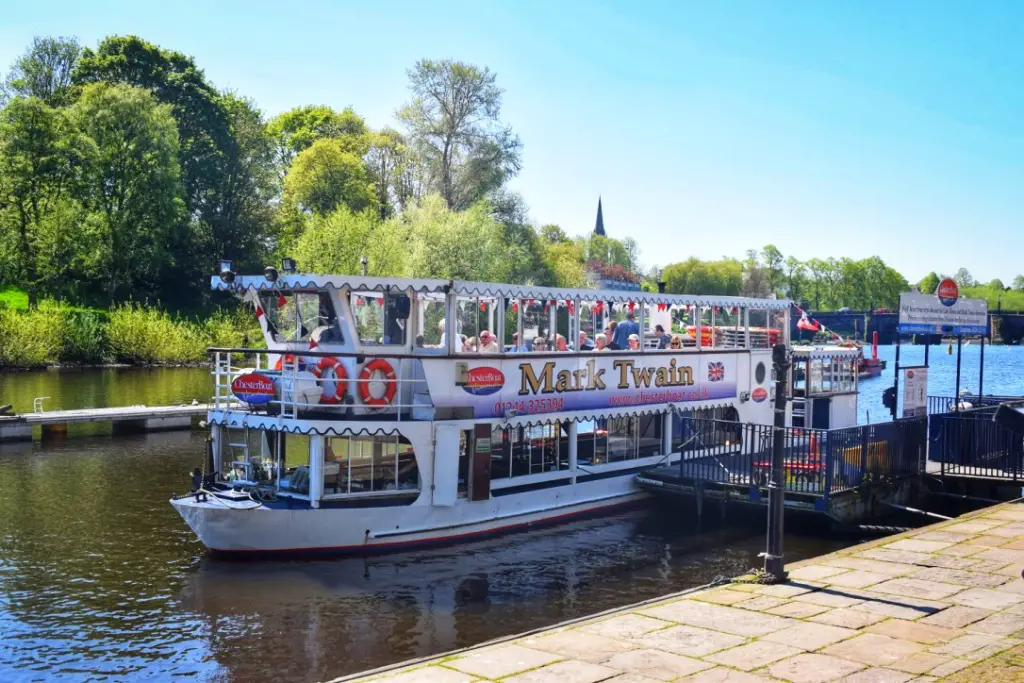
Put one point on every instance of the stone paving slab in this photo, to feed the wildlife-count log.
(942, 602)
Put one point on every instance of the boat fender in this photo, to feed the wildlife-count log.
(341, 380)
(390, 379)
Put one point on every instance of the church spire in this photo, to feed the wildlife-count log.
(599, 227)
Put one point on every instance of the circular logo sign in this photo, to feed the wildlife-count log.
(947, 292)
(484, 381)
(910, 374)
(759, 394)
(253, 388)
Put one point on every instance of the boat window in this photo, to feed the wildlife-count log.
(369, 463)
(381, 319)
(730, 332)
(590, 324)
(477, 324)
(430, 314)
(592, 442)
(301, 316)
(760, 329)
(519, 451)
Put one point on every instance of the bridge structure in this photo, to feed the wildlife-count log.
(1007, 326)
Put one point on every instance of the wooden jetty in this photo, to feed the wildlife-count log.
(123, 418)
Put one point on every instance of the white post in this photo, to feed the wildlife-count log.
(698, 314)
(666, 432)
(643, 327)
(573, 448)
(499, 323)
(451, 332)
(576, 324)
(316, 469)
(217, 435)
(746, 327)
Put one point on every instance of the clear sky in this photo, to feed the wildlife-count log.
(828, 128)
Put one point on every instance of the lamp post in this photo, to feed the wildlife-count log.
(774, 565)
(363, 261)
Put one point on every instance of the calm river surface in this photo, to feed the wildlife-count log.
(101, 581)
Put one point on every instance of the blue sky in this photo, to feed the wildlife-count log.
(826, 128)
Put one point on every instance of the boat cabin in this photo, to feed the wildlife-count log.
(823, 384)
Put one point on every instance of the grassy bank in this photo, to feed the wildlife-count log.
(57, 334)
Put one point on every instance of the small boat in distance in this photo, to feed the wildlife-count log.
(873, 366)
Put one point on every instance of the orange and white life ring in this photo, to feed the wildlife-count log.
(340, 377)
(291, 360)
(390, 383)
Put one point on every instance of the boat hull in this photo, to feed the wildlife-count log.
(266, 530)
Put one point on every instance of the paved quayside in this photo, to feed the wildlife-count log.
(945, 602)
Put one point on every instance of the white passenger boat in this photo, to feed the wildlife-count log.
(364, 427)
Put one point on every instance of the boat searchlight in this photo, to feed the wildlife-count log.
(227, 275)
(270, 272)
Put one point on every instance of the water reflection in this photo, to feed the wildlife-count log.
(100, 578)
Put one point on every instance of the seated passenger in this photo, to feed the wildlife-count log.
(663, 339)
(634, 342)
(516, 346)
(468, 344)
(676, 343)
(539, 344)
(560, 343)
(625, 329)
(601, 343)
(585, 343)
(488, 342)
(609, 333)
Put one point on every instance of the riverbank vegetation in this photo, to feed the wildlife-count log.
(51, 333)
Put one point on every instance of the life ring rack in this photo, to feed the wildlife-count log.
(341, 379)
(390, 381)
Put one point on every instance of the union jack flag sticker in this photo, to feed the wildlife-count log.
(716, 371)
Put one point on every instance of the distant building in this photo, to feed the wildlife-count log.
(607, 276)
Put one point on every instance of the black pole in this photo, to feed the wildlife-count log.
(981, 370)
(956, 396)
(774, 565)
(896, 379)
(927, 345)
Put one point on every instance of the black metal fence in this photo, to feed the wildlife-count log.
(816, 462)
(969, 443)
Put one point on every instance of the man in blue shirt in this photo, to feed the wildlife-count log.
(624, 329)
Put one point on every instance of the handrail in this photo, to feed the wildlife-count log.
(360, 355)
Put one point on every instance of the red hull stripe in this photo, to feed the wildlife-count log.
(437, 540)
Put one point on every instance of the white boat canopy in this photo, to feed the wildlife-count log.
(357, 283)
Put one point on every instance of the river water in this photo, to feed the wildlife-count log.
(100, 580)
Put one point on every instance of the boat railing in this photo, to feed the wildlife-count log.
(297, 387)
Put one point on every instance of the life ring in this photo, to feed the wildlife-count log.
(290, 358)
(340, 377)
(390, 383)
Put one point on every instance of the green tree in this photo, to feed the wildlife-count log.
(205, 151)
(795, 275)
(963, 278)
(564, 260)
(388, 160)
(773, 261)
(553, 234)
(43, 71)
(297, 129)
(136, 191)
(1018, 283)
(928, 284)
(335, 243)
(464, 245)
(327, 176)
(454, 125)
(996, 284)
(43, 165)
(243, 222)
(819, 284)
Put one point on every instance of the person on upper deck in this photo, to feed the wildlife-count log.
(609, 334)
(560, 343)
(488, 342)
(663, 339)
(516, 346)
(586, 344)
(676, 343)
(634, 342)
(624, 329)
(601, 343)
(539, 344)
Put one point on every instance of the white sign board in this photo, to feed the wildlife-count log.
(915, 392)
(928, 314)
